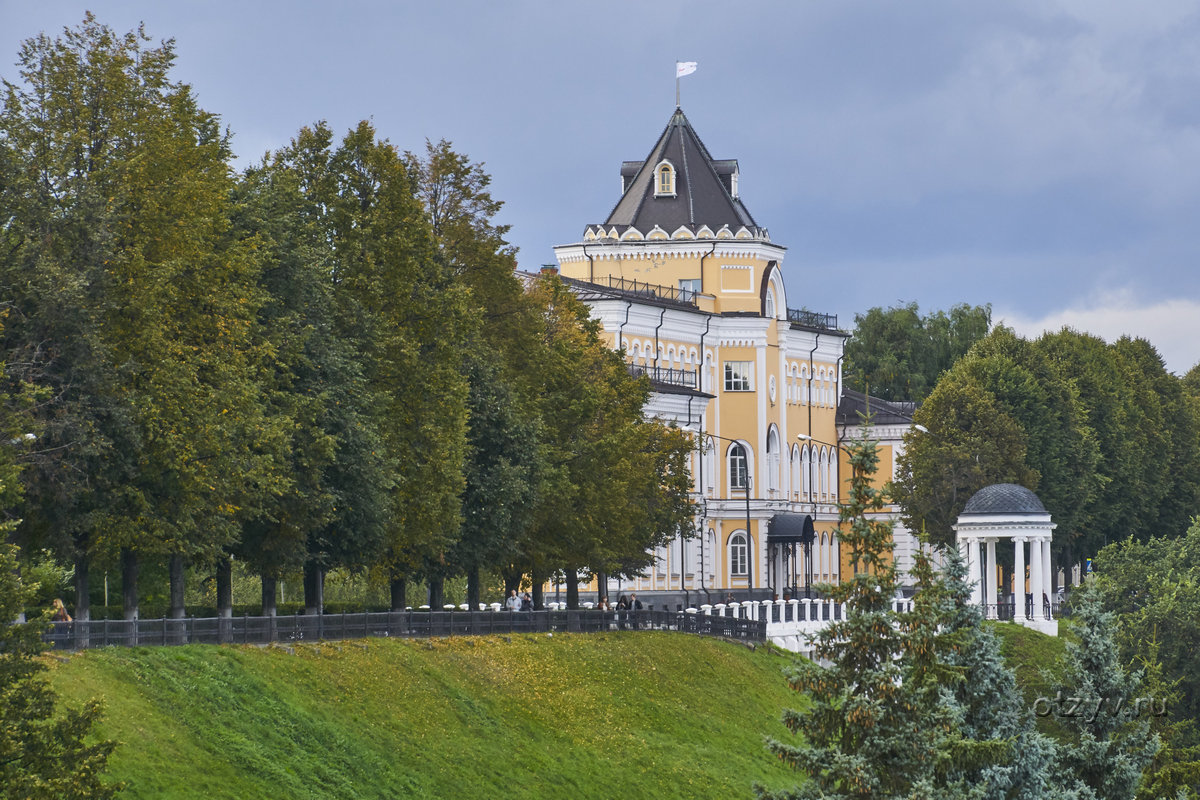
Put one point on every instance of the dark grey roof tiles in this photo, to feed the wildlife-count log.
(1004, 498)
(854, 406)
(703, 187)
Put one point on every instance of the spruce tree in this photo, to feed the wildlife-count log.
(46, 752)
(1108, 739)
(867, 731)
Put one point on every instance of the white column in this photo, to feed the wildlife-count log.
(1019, 576)
(1047, 573)
(990, 581)
(1035, 575)
(970, 551)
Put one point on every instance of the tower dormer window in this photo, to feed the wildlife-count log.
(664, 184)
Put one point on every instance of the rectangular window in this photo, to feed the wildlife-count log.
(737, 376)
(688, 289)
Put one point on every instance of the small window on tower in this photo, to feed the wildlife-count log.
(666, 180)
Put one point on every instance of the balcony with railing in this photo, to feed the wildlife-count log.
(669, 376)
(803, 318)
(614, 286)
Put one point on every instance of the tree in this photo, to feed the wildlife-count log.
(1153, 588)
(1108, 740)
(503, 465)
(897, 354)
(1016, 397)
(409, 320)
(970, 442)
(132, 305)
(873, 727)
(615, 484)
(46, 752)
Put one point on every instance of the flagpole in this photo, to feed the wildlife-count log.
(677, 84)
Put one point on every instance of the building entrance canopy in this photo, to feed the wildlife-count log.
(791, 529)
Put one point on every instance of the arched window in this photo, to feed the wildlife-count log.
(773, 459)
(770, 304)
(796, 470)
(664, 184)
(823, 558)
(806, 471)
(823, 473)
(737, 554)
(739, 467)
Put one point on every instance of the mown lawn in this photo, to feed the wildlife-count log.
(603, 716)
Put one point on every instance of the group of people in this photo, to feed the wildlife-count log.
(624, 606)
(518, 602)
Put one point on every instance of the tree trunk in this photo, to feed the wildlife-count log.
(176, 571)
(436, 585)
(473, 588)
(572, 588)
(601, 586)
(83, 600)
(314, 589)
(224, 587)
(512, 582)
(129, 577)
(539, 585)
(399, 589)
(269, 588)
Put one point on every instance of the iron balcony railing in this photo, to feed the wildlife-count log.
(687, 378)
(811, 319)
(650, 291)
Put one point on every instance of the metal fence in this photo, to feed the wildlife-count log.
(79, 635)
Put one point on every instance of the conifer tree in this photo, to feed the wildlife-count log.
(867, 733)
(1109, 742)
(46, 752)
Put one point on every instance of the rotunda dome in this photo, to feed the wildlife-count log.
(1004, 498)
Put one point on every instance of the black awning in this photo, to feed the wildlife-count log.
(791, 528)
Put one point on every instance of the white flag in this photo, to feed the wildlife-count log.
(684, 68)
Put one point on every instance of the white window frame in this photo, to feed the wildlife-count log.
(739, 554)
(738, 452)
(739, 376)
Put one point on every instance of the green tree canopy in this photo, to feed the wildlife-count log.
(898, 354)
(134, 306)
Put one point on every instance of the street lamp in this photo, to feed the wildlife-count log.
(749, 540)
(809, 536)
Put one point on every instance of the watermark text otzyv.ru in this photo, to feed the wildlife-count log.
(1090, 708)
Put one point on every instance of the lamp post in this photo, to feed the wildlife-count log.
(749, 540)
(807, 539)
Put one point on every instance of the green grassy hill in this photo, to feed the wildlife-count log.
(601, 716)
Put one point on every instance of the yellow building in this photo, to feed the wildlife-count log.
(689, 285)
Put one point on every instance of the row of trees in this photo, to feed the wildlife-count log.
(323, 361)
(1106, 436)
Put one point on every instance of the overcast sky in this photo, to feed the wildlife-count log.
(1040, 156)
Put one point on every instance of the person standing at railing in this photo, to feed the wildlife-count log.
(622, 611)
(60, 611)
(513, 603)
(526, 602)
(635, 606)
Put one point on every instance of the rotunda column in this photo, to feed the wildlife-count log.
(1019, 576)
(969, 547)
(990, 581)
(1035, 575)
(1047, 573)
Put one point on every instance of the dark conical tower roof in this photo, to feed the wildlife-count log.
(706, 190)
